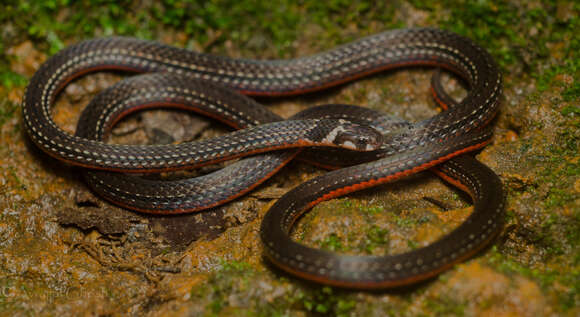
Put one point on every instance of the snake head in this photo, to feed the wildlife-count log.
(356, 137)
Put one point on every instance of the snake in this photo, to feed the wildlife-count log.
(220, 87)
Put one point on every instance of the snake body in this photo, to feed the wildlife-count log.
(202, 192)
(407, 148)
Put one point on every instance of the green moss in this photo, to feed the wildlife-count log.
(497, 25)
(519, 35)
(572, 93)
(375, 237)
(332, 243)
(563, 284)
(232, 277)
(9, 79)
(558, 197)
(405, 221)
(347, 203)
(7, 110)
(327, 301)
(572, 234)
(562, 170)
(412, 244)
(239, 267)
(547, 239)
(557, 171)
(18, 182)
(445, 307)
(372, 210)
(485, 20)
(570, 110)
(564, 32)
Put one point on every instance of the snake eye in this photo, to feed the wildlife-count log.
(366, 142)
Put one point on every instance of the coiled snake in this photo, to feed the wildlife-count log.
(190, 80)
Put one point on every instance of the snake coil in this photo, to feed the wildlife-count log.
(193, 81)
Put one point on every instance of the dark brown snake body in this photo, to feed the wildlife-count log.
(188, 81)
